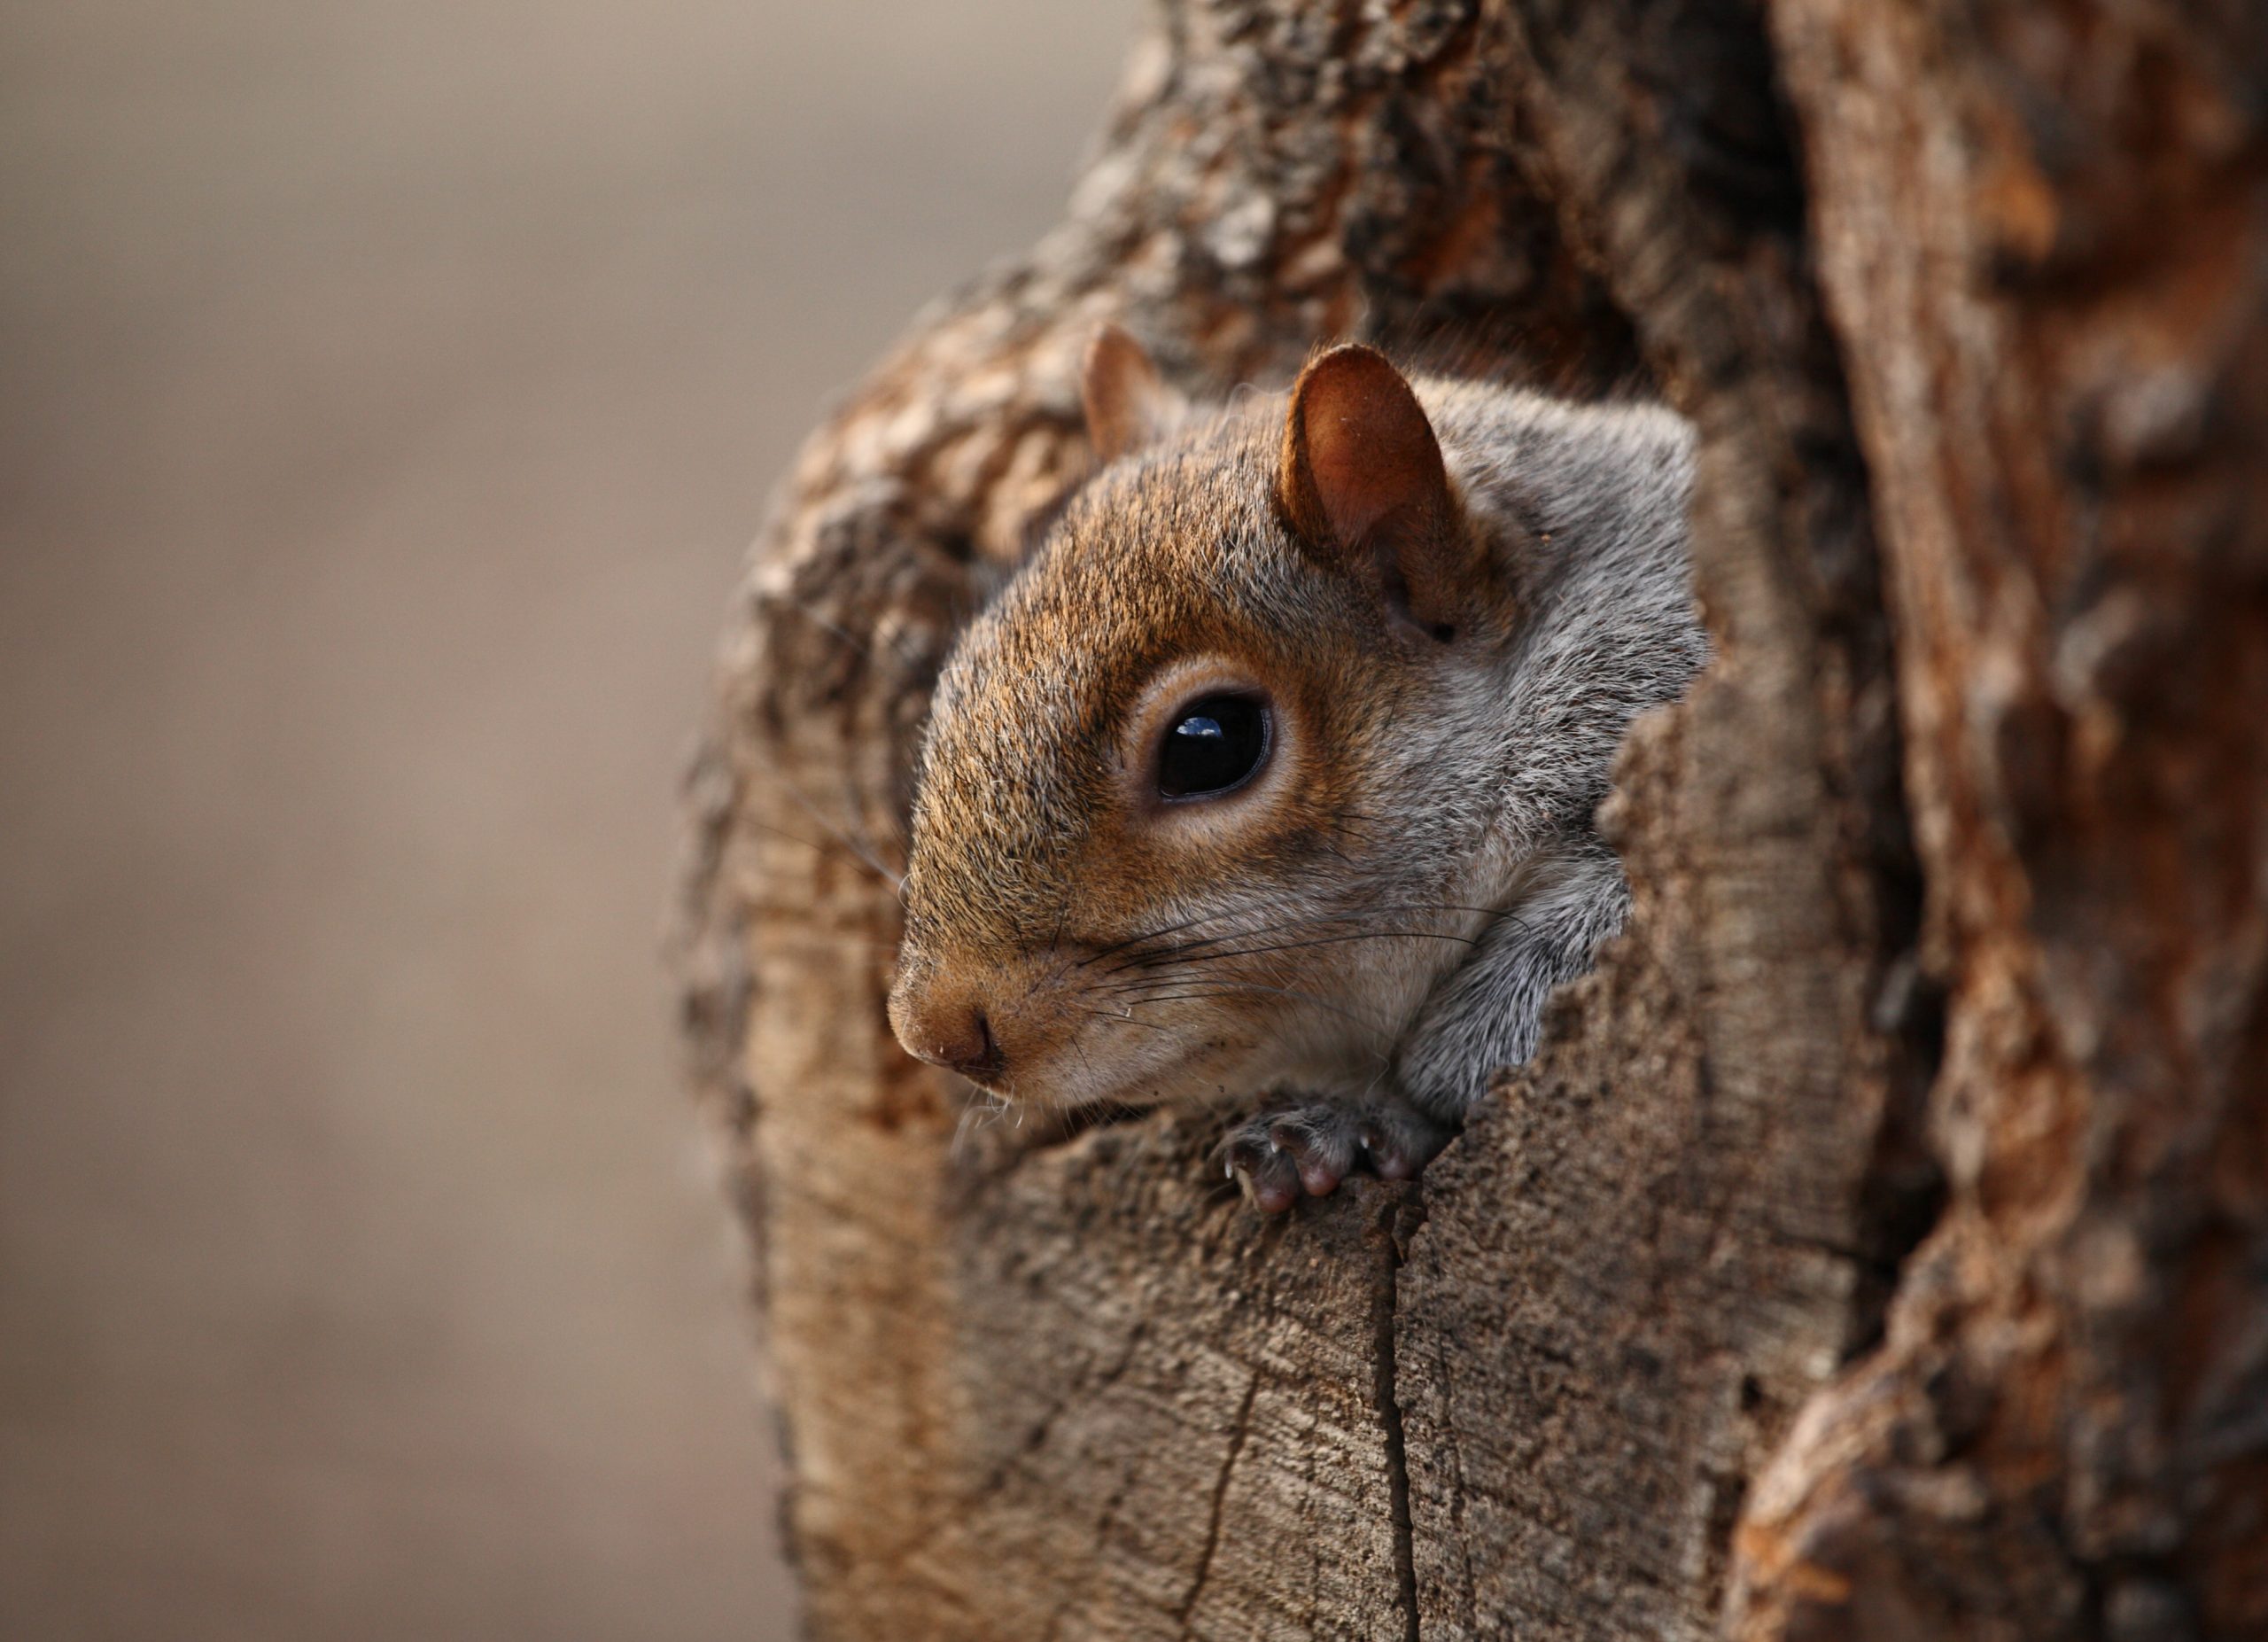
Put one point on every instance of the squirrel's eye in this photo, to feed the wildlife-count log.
(1215, 743)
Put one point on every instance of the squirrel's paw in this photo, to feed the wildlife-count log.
(1311, 1148)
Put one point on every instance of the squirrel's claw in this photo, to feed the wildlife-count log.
(1268, 1175)
(1311, 1148)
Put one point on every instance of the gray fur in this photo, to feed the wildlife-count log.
(1610, 632)
(1464, 881)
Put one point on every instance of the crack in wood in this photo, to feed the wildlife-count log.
(1085, 1391)
(1397, 1456)
(1237, 1434)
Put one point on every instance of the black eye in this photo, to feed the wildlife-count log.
(1213, 744)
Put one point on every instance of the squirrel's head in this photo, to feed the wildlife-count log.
(1188, 816)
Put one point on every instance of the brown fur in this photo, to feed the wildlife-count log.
(1392, 597)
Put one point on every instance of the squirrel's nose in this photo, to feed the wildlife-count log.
(952, 1034)
(975, 1055)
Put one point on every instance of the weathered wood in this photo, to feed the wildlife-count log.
(1274, 173)
(1670, 1230)
(1040, 1385)
(2045, 233)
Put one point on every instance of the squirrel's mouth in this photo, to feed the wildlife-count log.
(1084, 1078)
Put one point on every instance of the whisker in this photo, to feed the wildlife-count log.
(912, 660)
(832, 846)
(872, 862)
(1183, 950)
(1117, 1019)
(1134, 940)
(975, 1117)
(1319, 940)
(855, 821)
(793, 605)
(1364, 911)
(1226, 989)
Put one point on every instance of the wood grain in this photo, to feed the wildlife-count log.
(1875, 1247)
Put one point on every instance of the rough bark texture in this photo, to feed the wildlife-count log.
(2045, 239)
(1659, 1348)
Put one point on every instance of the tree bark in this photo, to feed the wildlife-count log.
(1878, 1245)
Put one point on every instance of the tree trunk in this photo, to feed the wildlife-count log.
(1878, 1246)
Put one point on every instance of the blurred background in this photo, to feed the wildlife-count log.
(390, 391)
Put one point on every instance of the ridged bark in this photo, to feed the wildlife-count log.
(1879, 1244)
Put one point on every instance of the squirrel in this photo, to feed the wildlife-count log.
(1274, 769)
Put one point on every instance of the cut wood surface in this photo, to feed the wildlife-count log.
(1878, 1245)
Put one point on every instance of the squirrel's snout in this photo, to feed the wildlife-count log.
(972, 1051)
(948, 1031)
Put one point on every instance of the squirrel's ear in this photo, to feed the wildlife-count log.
(1362, 486)
(1129, 404)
